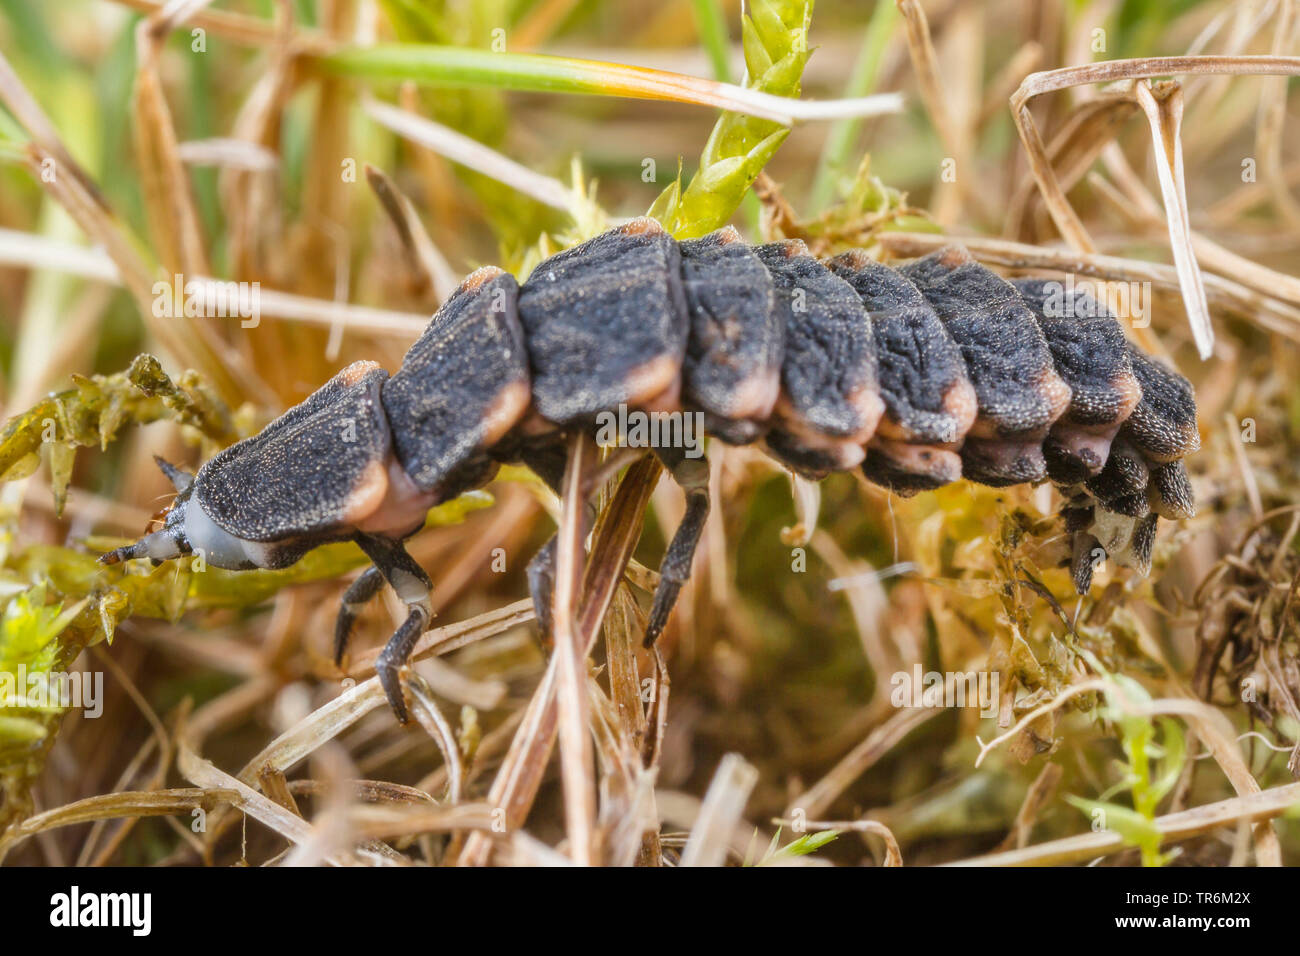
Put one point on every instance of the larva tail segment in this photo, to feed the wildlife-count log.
(929, 401)
(1019, 392)
(1144, 477)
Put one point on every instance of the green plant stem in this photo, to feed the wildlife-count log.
(712, 27)
(866, 71)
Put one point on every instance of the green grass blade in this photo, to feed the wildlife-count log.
(712, 27)
(537, 73)
(866, 70)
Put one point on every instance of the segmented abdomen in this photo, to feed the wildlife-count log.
(919, 375)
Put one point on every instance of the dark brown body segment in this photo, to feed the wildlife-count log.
(1008, 361)
(605, 324)
(1091, 354)
(302, 473)
(930, 403)
(1163, 426)
(462, 386)
(732, 369)
(829, 403)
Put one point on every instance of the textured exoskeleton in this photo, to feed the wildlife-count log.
(919, 375)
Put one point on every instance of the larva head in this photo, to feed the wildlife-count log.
(169, 541)
(186, 529)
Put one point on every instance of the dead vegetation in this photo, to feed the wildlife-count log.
(356, 158)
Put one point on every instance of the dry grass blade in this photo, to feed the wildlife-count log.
(1108, 71)
(202, 773)
(394, 821)
(576, 766)
(925, 63)
(54, 169)
(1139, 205)
(862, 587)
(435, 724)
(236, 27)
(1266, 311)
(1252, 808)
(43, 132)
(176, 13)
(520, 849)
(1072, 151)
(1212, 727)
(169, 199)
(626, 789)
(1024, 60)
(1165, 114)
(816, 799)
(617, 530)
(327, 722)
(426, 263)
(99, 224)
(114, 806)
(1272, 119)
(449, 683)
(722, 809)
(1164, 124)
(1063, 215)
(471, 153)
(41, 252)
(451, 637)
(227, 152)
(1040, 792)
(629, 725)
(323, 724)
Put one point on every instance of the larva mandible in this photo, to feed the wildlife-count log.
(920, 375)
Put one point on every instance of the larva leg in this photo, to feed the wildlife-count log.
(412, 585)
(541, 583)
(547, 462)
(692, 475)
(358, 594)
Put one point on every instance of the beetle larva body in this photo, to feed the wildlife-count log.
(919, 376)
